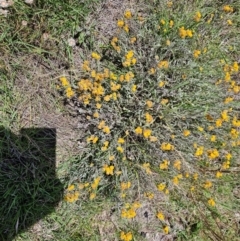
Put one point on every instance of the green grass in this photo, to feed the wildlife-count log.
(103, 198)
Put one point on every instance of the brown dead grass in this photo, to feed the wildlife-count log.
(38, 104)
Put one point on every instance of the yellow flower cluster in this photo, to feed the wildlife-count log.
(129, 59)
(164, 165)
(95, 183)
(197, 16)
(199, 151)
(149, 118)
(65, 83)
(167, 146)
(130, 210)
(126, 236)
(114, 44)
(213, 153)
(227, 9)
(125, 185)
(108, 169)
(183, 33)
(92, 139)
(163, 64)
(96, 56)
(196, 53)
(72, 195)
(146, 166)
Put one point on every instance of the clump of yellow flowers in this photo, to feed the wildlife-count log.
(150, 118)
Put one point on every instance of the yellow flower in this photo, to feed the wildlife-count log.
(92, 196)
(169, 4)
(149, 195)
(120, 23)
(189, 33)
(195, 176)
(162, 21)
(138, 130)
(149, 118)
(98, 106)
(136, 205)
(235, 122)
(146, 166)
(186, 132)
(101, 124)
(163, 64)
(168, 42)
(96, 56)
(228, 100)
(166, 230)
(161, 84)
(228, 156)
(171, 23)
(182, 32)
(95, 115)
(213, 138)
(161, 186)
(134, 88)
(227, 9)
(167, 146)
(200, 128)
(69, 92)
(164, 165)
(211, 202)
(229, 22)
(106, 129)
(147, 133)
(125, 185)
(105, 146)
(224, 115)
(164, 101)
(152, 71)
(218, 174)
(107, 98)
(126, 236)
(226, 165)
(108, 169)
(130, 213)
(126, 28)
(120, 149)
(129, 54)
(175, 180)
(160, 216)
(95, 139)
(235, 67)
(111, 158)
(197, 16)
(213, 153)
(121, 140)
(177, 164)
(199, 151)
(70, 197)
(64, 82)
(207, 184)
(218, 122)
(234, 133)
(71, 187)
(149, 103)
(128, 14)
(196, 53)
(133, 40)
(95, 183)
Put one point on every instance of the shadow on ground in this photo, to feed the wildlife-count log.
(29, 189)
